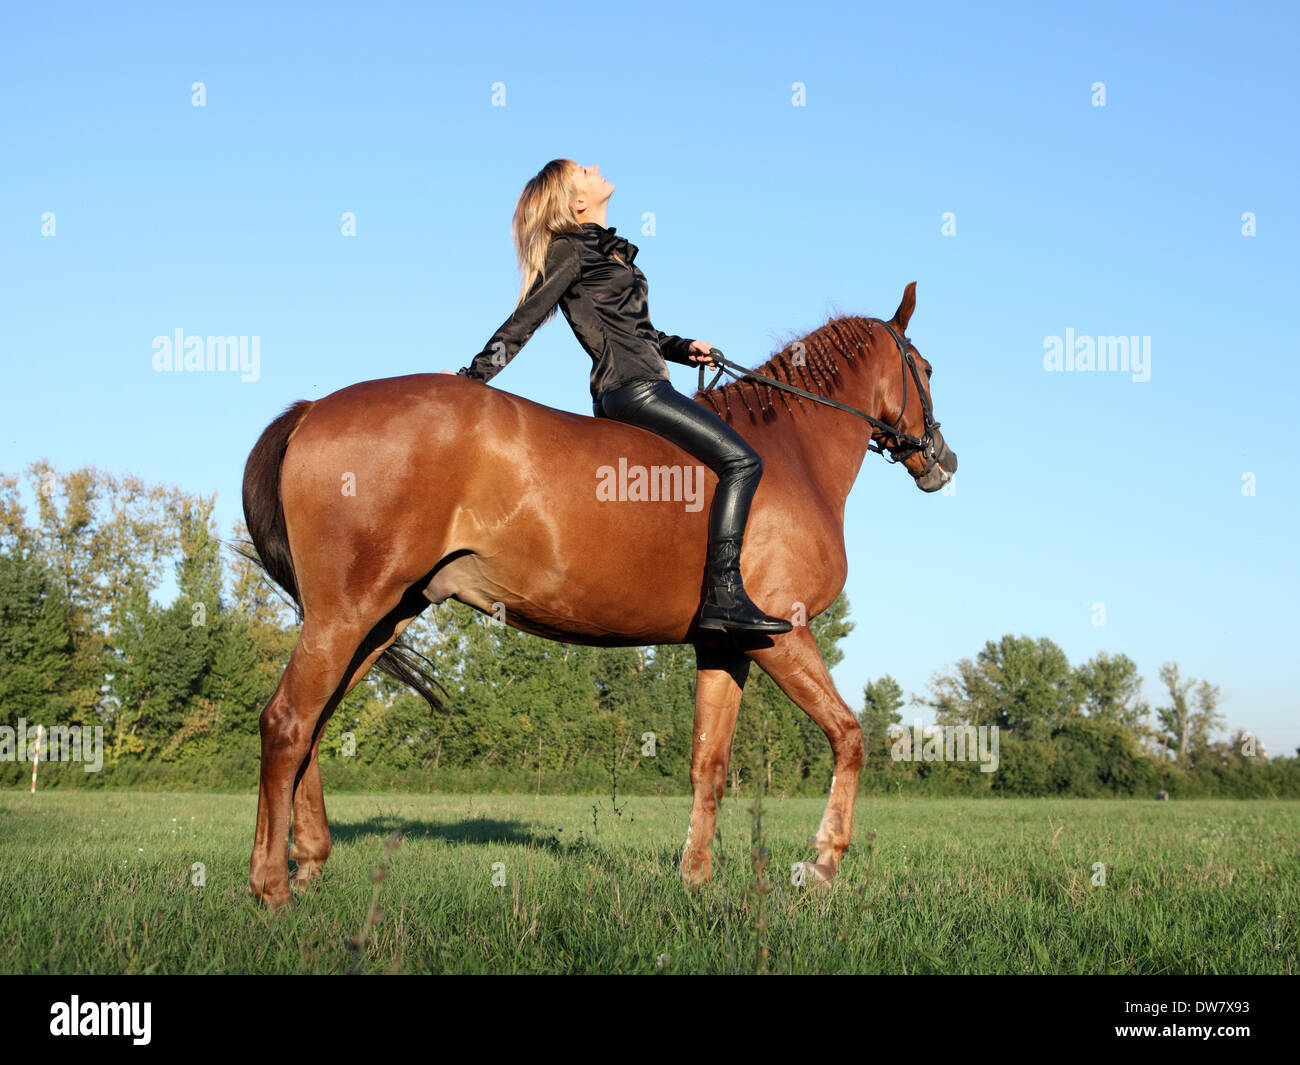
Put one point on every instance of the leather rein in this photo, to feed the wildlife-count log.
(905, 445)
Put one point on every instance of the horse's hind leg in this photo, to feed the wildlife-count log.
(316, 670)
(311, 830)
(719, 679)
(795, 663)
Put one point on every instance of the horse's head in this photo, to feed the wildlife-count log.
(912, 437)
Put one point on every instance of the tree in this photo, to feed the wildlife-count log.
(1025, 686)
(100, 536)
(1111, 690)
(16, 538)
(35, 644)
(1175, 718)
(268, 616)
(882, 700)
(1205, 718)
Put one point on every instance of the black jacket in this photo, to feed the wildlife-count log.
(604, 301)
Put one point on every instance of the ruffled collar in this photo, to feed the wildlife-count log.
(609, 242)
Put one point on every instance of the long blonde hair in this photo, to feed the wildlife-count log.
(543, 211)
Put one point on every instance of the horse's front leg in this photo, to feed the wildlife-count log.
(719, 680)
(796, 665)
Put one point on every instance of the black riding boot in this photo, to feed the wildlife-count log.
(726, 606)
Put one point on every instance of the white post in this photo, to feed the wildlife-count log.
(36, 755)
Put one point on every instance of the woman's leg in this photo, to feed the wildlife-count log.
(661, 409)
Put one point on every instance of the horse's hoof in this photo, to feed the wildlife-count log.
(275, 898)
(697, 874)
(305, 875)
(272, 890)
(812, 876)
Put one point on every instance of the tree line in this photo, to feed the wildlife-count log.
(87, 557)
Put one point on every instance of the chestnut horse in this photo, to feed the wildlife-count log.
(369, 504)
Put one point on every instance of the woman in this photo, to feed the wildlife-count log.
(571, 260)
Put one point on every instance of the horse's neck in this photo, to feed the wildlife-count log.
(823, 447)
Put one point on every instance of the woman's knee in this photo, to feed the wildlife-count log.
(744, 465)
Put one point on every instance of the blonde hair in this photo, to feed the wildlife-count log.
(543, 211)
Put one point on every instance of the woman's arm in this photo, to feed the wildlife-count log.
(562, 269)
(687, 352)
(675, 349)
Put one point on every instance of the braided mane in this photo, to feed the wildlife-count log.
(825, 351)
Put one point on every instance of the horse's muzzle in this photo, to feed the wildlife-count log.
(940, 471)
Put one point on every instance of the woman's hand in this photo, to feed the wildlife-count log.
(452, 372)
(702, 351)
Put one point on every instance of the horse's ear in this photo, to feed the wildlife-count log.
(904, 313)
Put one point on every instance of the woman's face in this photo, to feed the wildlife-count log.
(590, 190)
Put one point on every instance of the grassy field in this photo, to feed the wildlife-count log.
(100, 882)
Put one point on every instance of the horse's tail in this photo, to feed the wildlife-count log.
(264, 516)
(263, 510)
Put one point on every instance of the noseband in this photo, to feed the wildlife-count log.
(905, 445)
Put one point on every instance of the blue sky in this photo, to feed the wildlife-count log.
(1075, 488)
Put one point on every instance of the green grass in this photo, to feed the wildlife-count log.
(100, 882)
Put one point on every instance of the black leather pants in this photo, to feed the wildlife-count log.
(660, 408)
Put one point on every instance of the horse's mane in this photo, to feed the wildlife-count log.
(825, 351)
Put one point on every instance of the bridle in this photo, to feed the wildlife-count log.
(905, 444)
